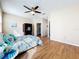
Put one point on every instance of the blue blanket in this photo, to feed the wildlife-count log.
(23, 43)
(26, 42)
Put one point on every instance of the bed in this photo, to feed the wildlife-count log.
(22, 43)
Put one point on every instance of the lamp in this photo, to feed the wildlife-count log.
(32, 12)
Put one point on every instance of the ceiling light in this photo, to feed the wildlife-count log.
(32, 12)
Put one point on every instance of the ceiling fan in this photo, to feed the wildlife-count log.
(33, 10)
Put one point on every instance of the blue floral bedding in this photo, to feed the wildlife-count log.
(11, 54)
(26, 42)
(22, 43)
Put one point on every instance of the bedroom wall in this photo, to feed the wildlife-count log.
(0, 19)
(64, 25)
(35, 28)
(35, 21)
(9, 19)
(44, 28)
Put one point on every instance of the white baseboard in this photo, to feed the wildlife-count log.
(65, 41)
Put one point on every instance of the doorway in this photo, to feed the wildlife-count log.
(27, 29)
(38, 29)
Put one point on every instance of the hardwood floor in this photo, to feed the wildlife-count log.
(54, 50)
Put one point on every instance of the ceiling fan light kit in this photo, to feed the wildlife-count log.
(33, 13)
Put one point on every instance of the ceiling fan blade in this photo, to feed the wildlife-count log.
(27, 11)
(36, 7)
(37, 12)
(27, 7)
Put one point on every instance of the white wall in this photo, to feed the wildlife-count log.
(0, 20)
(44, 28)
(35, 21)
(8, 19)
(64, 26)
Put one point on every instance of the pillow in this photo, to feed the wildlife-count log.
(9, 39)
(13, 36)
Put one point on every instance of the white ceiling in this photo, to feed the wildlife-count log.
(15, 7)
